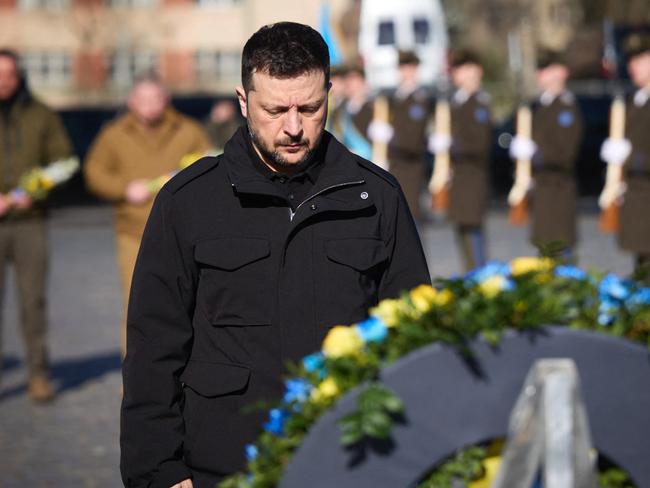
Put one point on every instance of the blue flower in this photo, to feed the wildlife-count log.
(493, 268)
(372, 330)
(275, 424)
(297, 390)
(251, 452)
(612, 286)
(314, 362)
(571, 272)
(640, 297)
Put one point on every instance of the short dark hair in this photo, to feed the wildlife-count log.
(284, 50)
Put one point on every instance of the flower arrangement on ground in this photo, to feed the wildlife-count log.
(524, 294)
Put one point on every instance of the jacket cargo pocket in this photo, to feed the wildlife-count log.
(349, 280)
(235, 281)
(215, 379)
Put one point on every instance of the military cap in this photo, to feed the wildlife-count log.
(339, 70)
(547, 57)
(636, 43)
(356, 69)
(464, 56)
(407, 57)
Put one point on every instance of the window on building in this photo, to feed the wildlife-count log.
(133, 3)
(386, 33)
(217, 66)
(44, 4)
(421, 31)
(218, 3)
(126, 66)
(51, 69)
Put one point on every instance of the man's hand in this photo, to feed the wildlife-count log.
(184, 484)
(21, 200)
(137, 192)
(5, 204)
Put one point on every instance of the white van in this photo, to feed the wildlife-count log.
(387, 26)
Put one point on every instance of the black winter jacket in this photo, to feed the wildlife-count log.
(230, 284)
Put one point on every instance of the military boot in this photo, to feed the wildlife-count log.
(40, 389)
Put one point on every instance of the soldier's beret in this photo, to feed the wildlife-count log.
(636, 43)
(407, 57)
(460, 57)
(547, 57)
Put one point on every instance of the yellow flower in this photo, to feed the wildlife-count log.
(443, 297)
(342, 341)
(492, 286)
(325, 390)
(189, 159)
(47, 183)
(423, 297)
(524, 265)
(388, 311)
(491, 465)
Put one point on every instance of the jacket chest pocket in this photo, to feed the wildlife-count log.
(235, 281)
(350, 278)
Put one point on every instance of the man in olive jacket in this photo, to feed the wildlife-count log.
(31, 135)
(246, 261)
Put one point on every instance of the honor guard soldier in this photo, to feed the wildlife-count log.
(469, 149)
(357, 113)
(409, 112)
(628, 159)
(553, 149)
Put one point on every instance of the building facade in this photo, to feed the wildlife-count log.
(88, 52)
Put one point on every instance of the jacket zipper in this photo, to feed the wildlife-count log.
(292, 213)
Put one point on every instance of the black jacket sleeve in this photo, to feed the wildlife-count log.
(159, 338)
(408, 266)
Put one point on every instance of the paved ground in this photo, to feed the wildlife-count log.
(74, 441)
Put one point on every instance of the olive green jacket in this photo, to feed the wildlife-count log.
(31, 135)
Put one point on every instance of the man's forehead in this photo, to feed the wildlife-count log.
(304, 88)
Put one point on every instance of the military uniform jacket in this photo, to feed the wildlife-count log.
(409, 117)
(635, 224)
(229, 284)
(557, 131)
(470, 154)
(31, 135)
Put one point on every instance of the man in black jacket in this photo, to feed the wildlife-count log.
(246, 261)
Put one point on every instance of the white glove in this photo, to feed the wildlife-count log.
(439, 143)
(522, 148)
(615, 151)
(519, 190)
(381, 132)
(614, 186)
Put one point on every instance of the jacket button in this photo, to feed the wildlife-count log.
(313, 206)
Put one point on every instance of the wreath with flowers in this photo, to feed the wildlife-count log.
(523, 294)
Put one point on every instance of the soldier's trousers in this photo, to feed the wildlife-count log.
(127, 246)
(471, 244)
(24, 243)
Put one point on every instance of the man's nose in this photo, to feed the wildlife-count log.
(293, 123)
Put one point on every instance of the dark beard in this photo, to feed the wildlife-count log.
(273, 157)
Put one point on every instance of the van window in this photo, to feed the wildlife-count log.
(421, 31)
(386, 33)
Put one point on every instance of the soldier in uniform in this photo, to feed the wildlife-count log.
(631, 157)
(357, 113)
(469, 148)
(336, 101)
(556, 138)
(410, 109)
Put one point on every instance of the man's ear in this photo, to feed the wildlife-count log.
(243, 104)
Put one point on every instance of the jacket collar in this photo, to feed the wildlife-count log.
(339, 167)
(169, 123)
